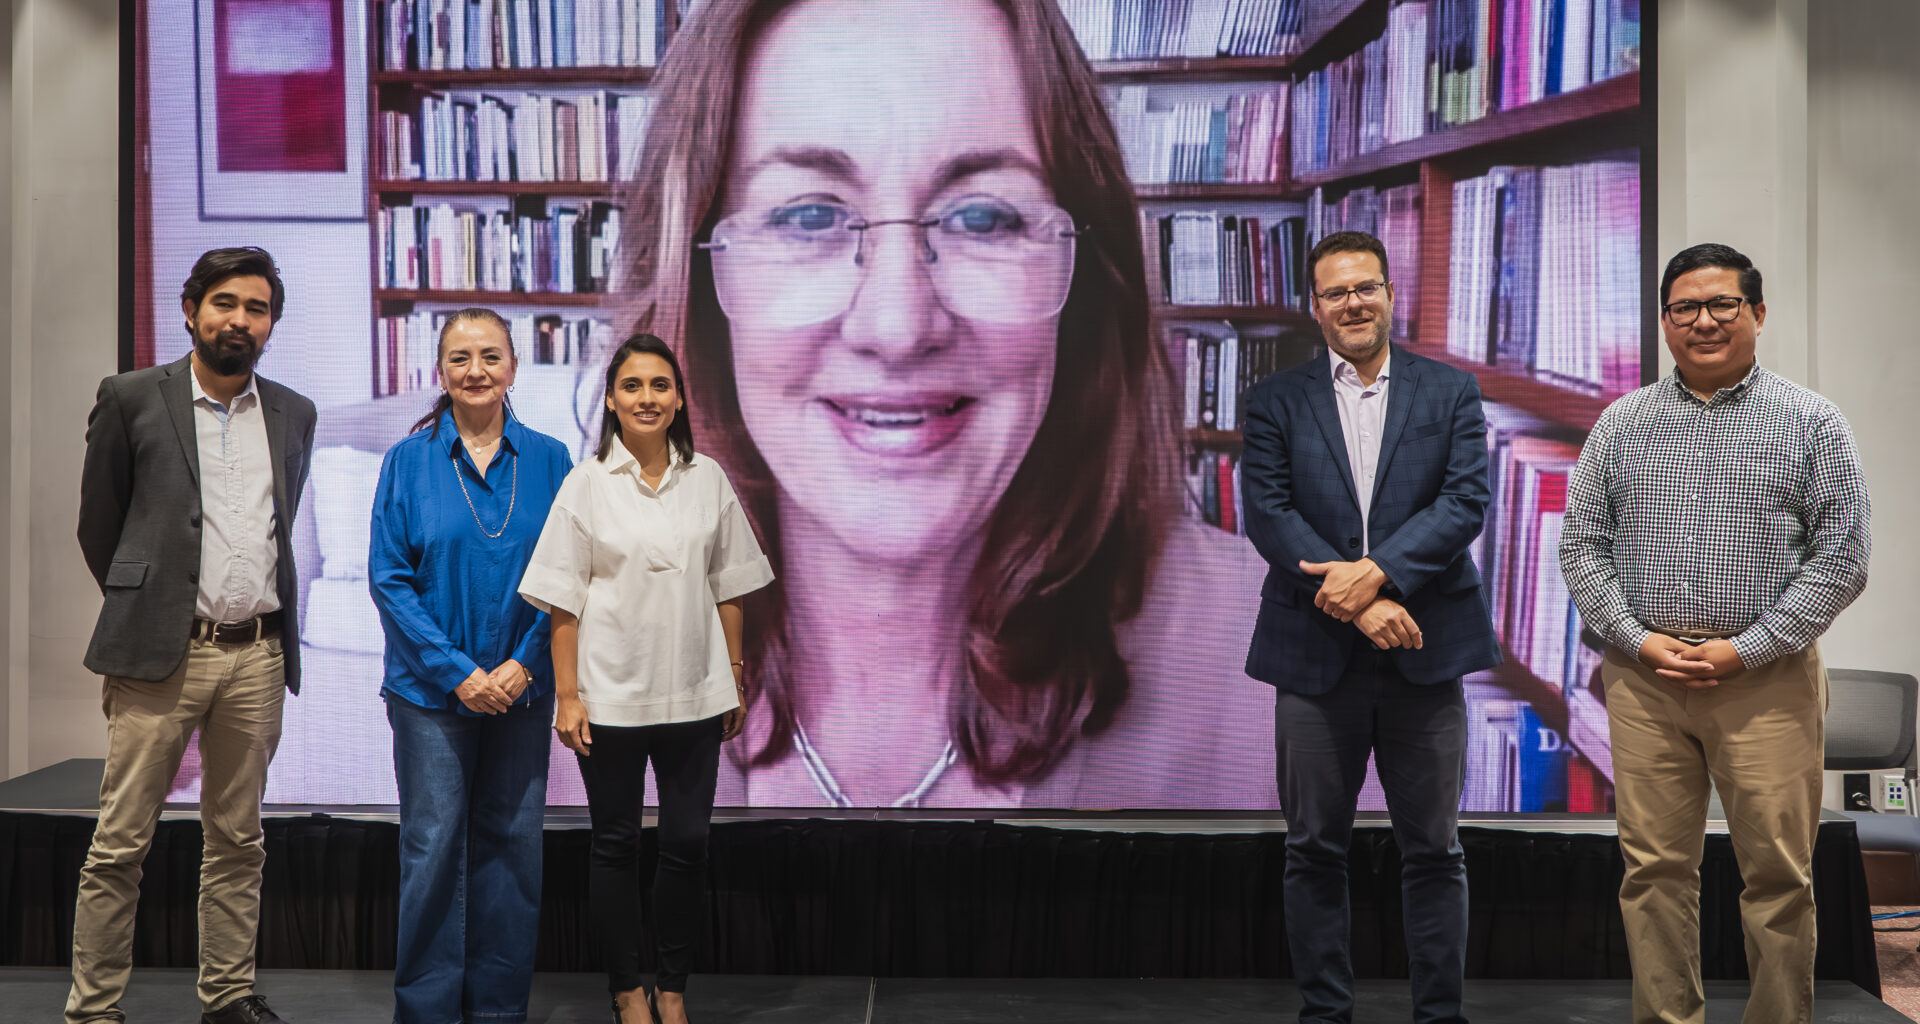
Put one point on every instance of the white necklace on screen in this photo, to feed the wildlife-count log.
(824, 781)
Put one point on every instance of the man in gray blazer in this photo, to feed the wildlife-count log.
(192, 478)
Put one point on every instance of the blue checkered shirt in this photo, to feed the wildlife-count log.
(1747, 514)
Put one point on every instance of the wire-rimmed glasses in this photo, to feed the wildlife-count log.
(988, 259)
(1723, 308)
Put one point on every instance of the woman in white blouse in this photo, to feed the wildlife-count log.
(642, 565)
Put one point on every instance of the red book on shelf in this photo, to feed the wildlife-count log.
(1224, 466)
(1583, 787)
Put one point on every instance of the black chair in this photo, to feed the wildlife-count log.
(1870, 728)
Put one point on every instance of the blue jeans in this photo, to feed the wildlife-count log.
(473, 794)
(1418, 737)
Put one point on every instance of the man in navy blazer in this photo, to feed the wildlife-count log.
(1364, 479)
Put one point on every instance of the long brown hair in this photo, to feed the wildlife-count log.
(1072, 543)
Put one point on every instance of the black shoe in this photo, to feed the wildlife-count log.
(653, 1006)
(244, 1010)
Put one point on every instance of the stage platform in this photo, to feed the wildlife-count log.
(365, 997)
(982, 895)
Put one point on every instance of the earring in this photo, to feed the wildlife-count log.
(510, 387)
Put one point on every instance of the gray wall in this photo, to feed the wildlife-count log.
(1782, 132)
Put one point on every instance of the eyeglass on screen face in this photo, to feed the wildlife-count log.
(988, 259)
(1723, 308)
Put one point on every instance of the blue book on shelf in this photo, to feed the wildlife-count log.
(563, 54)
(1556, 44)
(475, 58)
(1543, 765)
(1216, 169)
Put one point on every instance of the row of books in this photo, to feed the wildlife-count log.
(1391, 215)
(1371, 98)
(1235, 140)
(1152, 29)
(406, 348)
(1209, 258)
(1546, 274)
(479, 137)
(1447, 62)
(456, 35)
(528, 248)
(1515, 762)
(1219, 362)
(1213, 490)
(1487, 55)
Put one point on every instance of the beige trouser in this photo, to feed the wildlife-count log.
(1758, 736)
(233, 694)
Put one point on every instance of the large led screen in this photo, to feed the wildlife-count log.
(999, 488)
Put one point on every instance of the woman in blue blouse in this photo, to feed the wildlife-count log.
(469, 684)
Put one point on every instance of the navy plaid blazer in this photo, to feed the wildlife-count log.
(1429, 503)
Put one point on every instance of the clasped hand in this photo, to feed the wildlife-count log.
(1350, 592)
(1691, 666)
(490, 693)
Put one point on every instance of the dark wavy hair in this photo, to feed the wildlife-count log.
(680, 430)
(479, 314)
(216, 265)
(1072, 543)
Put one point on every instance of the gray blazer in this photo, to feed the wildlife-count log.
(140, 516)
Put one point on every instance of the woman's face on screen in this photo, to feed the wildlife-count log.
(896, 421)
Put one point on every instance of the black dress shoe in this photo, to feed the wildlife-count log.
(244, 1010)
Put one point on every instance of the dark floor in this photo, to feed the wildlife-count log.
(363, 997)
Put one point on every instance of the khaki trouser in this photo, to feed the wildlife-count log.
(233, 695)
(1759, 738)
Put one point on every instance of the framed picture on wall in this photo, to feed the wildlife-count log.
(282, 109)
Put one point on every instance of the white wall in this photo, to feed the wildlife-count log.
(1864, 144)
(64, 208)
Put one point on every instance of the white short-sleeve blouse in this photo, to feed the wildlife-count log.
(643, 570)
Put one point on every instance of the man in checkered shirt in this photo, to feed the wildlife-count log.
(1716, 524)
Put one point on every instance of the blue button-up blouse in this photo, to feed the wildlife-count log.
(447, 593)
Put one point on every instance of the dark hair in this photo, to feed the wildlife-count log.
(1712, 254)
(1073, 541)
(445, 401)
(1346, 241)
(216, 265)
(680, 430)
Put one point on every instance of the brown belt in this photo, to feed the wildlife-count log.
(1694, 636)
(246, 631)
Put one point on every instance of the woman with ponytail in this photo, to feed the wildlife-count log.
(468, 682)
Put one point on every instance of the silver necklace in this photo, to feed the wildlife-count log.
(512, 496)
(824, 781)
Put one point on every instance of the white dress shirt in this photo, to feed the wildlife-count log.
(644, 569)
(1363, 415)
(239, 556)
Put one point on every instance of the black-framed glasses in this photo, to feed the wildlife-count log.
(1723, 308)
(1366, 292)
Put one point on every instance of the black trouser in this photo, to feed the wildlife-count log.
(686, 761)
(1418, 737)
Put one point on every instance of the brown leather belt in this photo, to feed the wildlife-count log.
(246, 631)
(1696, 636)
